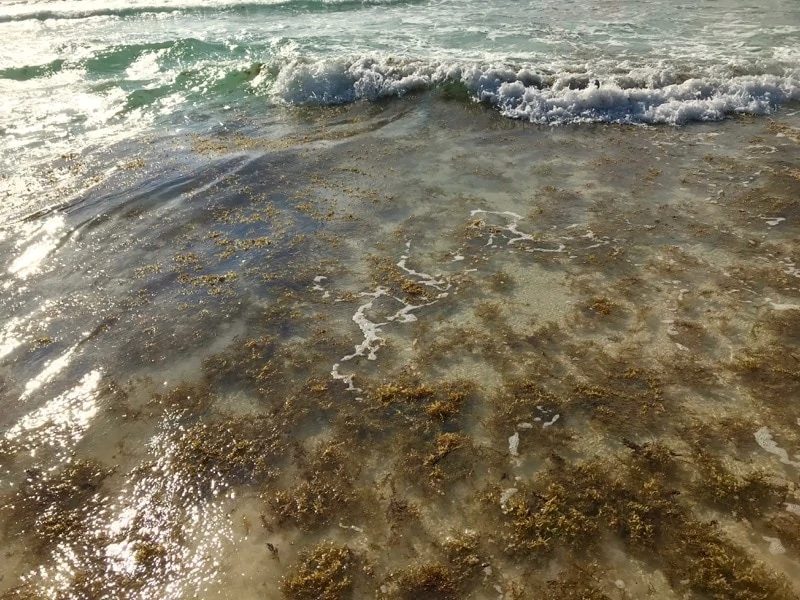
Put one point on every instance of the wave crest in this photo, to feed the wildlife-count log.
(657, 95)
(97, 8)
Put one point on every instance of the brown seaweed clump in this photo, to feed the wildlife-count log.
(242, 450)
(579, 583)
(464, 557)
(431, 581)
(572, 507)
(540, 520)
(51, 507)
(745, 496)
(621, 395)
(772, 372)
(700, 559)
(406, 392)
(521, 400)
(439, 402)
(602, 306)
(731, 435)
(246, 362)
(786, 526)
(419, 424)
(189, 399)
(325, 491)
(447, 459)
(770, 366)
(655, 456)
(454, 574)
(323, 573)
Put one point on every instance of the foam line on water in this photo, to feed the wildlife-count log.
(372, 330)
(540, 97)
(764, 439)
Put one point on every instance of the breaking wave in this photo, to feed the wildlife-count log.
(644, 95)
(86, 10)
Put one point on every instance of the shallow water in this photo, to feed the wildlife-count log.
(478, 357)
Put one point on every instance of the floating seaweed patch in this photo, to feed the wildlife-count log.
(430, 581)
(731, 435)
(189, 400)
(324, 572)
(247, 361)
(232, 451)
(786, 525)
(603, 306)
(619, 393)
(325, 490)
(51, 507)
(746, 496)
(573, 505)
(580, 582)
(523, 400)
(772, 374)
(654, 456)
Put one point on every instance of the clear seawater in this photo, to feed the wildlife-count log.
(399, 299)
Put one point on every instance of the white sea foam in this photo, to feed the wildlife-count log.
(347, 379)
(424, 279)
(512, 227)
(775, 545)
(506, 496)
(251, 55)
(513, 444)
(404, 314)
(764, 439)
(552, 421)
(635, 97)
(692, 100)
(372, 341)
(783, 306)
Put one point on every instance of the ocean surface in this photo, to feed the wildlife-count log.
(80, 75)
(400, 299)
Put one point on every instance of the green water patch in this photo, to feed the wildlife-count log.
(454, 91)
(117, 59)
(234, 79)
(254, 9)
(29, 72)
(208, 86)
(145, 97)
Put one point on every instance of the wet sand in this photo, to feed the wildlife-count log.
(410, 350)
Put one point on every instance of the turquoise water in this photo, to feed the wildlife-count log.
(81, 72)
